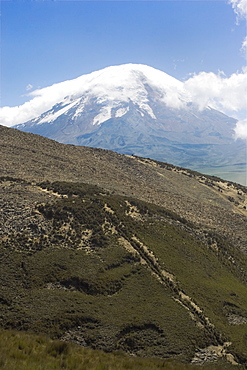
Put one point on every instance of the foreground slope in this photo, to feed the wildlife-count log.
(128, 254)
(23, 351)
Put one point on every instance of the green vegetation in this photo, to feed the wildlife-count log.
(22, 351)
(109, 272)
(70, 189)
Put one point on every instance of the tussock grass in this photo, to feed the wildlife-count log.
(24, 351)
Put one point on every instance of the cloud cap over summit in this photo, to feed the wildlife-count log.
(123, 82)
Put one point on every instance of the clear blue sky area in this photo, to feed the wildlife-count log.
(45, 42)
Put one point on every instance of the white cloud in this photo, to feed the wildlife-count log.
(225, 94)
(10, 116)
(240, 7)
(116, 84)
(244, 46)
(43, 100)
(29, 87)
(241, 129)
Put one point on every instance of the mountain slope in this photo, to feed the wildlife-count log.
(130, 254)
(35, 158)
(136, 109)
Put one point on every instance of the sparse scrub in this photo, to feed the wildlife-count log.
(76, 280)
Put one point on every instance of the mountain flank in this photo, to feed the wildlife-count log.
(203, 199)
(138, 110)
(117, 252)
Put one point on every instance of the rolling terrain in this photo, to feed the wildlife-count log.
(121, 253)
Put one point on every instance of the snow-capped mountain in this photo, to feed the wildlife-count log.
(136, 109)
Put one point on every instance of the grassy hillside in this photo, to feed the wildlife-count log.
(112, 272)
(117, 253)
(22, 351)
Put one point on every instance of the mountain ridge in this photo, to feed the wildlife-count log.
(136, 109)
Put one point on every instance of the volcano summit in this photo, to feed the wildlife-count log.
(136, 109)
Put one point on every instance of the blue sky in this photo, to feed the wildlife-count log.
(45, 42)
